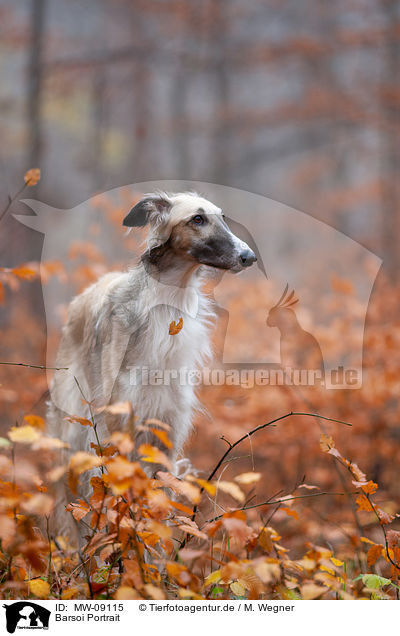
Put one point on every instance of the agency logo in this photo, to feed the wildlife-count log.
(26, 615)
(296, 318)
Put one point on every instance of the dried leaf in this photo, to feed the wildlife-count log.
(246, 479)
(23, 434)
(122, 441)
(79, 420)
(32, 177)
(79, 509)
(237, 589)
(126, 593)
(162, 436)
(326, 442)
(118, 408)
(175, 328)
(38, 505)
(291, 513)
(153, 455)
(39, 588)
(207, 486)
(82, 461)
(310, 591)
(374, 553)
(231, 489)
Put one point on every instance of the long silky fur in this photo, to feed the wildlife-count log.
(112, 326)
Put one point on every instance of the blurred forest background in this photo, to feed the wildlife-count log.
(296, 101)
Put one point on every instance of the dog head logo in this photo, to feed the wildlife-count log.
(26, 615)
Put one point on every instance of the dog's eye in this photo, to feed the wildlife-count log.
(198, 219)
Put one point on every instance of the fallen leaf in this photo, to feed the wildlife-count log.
(237, 589)
(39, 588)
(310, 591)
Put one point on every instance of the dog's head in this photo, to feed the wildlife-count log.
(193, 228)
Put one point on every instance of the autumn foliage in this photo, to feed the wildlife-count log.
(302, 508)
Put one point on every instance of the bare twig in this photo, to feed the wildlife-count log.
(273, 502)
(11, 201)
(35, 366)
(248, 435)
(255, 430)
(261, 427)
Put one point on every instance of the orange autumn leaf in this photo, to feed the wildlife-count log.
(32, 177)
(341, 285)
(70, 593)
(23, 434)
(118, 408)
(189, 529)
(207, 486)
(231, 489)
(369, 488)
(39, 504)
(291, 513)
(326, 443)
(121, 441)
(82, 461)
(363, 503)
(175, 327)
(181, 507)
(39, 588)
(153, 455)
(374, 553)
(182, 487)
(79, 420)
(36, 421)
(79, 509)
(162, 436)
(24, 272)
(384, 517)
(247, 479)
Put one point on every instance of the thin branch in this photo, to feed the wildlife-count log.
(248, 435)
(261, 427)
(35, 366)
(273, 502)
(94, 424)
(11, 201)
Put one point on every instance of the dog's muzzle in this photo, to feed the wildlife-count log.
(247, 257)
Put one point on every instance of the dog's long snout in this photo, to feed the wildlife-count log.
(247, 257)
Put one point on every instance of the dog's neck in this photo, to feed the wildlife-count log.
(165, 266)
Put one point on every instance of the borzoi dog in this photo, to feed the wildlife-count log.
(121, 324)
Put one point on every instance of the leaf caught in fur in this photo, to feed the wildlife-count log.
(175, 327)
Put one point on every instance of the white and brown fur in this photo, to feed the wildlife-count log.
(118, 323)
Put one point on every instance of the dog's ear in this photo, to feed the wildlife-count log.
(148, 208)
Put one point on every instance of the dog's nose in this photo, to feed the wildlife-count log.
(248, 257)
